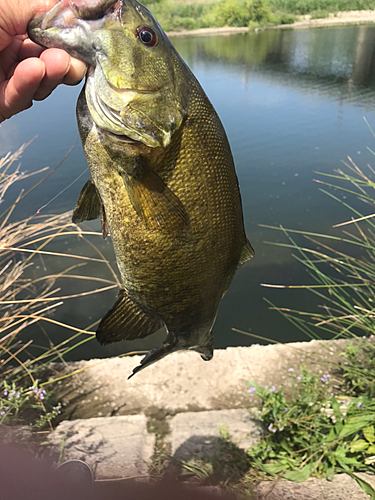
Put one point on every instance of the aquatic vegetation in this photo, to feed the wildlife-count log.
(343, 271)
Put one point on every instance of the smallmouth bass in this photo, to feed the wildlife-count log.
(162, 174)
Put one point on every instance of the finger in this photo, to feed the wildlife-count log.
(57, 64)
(29, 49)
(59, 68)
(16, 14)
(17, 93)
(76, 72)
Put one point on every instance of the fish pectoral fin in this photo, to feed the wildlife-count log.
(89, 206)
(125, 321)
(158, 207)
(246, 254)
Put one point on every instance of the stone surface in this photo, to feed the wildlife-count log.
(182, 381)
(197, 434)
(116, 447)
(342, 487)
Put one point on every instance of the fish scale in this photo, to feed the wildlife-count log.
(163, 178)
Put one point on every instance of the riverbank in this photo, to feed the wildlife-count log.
(304, 22)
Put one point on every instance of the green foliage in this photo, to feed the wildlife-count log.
(33, 405)
(315, 433)
(358, 368)
(173, 16)
(239, 13)
(303, 7)
(319, 14)
(178, 16)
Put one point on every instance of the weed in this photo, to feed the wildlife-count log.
(315, 433)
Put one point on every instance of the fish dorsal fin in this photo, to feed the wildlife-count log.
(125, 321)
(246, 254)
(89, 206)
(158, 207)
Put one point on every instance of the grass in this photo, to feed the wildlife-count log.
(26, 301)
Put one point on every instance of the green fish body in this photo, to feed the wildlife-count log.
(162, 174)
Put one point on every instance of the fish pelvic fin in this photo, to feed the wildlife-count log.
(89, 206)
(158, 207)
(126, 321)
(246, 254)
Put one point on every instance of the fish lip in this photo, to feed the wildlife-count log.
(151, 90)
(123, 138)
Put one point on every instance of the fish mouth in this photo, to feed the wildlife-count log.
(68, 25)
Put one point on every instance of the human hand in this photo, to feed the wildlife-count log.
(29, 72)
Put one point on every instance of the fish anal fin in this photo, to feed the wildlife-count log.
(125, 321)
(246, 254)
(156, 204)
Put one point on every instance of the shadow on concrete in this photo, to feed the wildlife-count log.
(211, 459)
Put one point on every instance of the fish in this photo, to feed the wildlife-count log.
(163, 179)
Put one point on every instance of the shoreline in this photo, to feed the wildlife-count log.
(305, 22)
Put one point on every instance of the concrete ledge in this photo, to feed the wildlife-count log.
(183, 381)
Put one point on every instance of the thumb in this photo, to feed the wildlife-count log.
(15, 15)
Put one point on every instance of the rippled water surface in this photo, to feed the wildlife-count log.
(292, 103)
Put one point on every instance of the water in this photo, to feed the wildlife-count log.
(292, 103)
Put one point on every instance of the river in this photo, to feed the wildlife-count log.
(292, 103)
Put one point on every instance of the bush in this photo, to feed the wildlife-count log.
(239, 13)
(303, 7)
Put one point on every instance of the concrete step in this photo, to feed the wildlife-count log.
(119, 448)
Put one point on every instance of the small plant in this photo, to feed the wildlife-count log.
(315, 433)
(358, 368)
(20, 405)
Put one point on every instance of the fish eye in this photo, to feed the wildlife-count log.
(147, 36)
